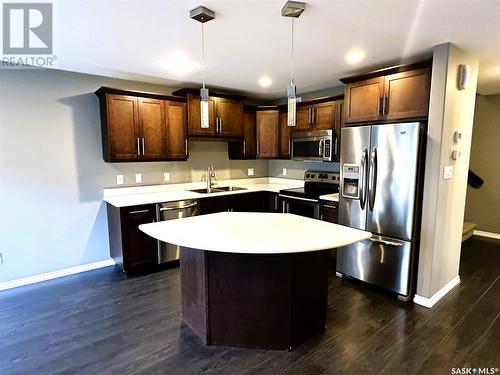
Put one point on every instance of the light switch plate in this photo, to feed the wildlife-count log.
(251, 171)
(119, 179)
(138, 178)
(166, 176)
(284, 171)
(456, 154)
(448, 172)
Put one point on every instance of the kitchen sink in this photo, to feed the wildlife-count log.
(219, 189)
(229, 188)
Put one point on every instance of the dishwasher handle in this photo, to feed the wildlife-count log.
(178, 208)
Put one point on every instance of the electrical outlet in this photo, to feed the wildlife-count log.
(448, 172)
(119, 179)
(251, 171)
(138, 178)
(166, 176)
(284, 171)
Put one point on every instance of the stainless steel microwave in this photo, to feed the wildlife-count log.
(319, 145)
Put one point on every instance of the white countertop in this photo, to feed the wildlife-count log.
(137, 195)
(254, 233)
(330, 197)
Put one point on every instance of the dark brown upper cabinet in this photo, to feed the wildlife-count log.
(247, 147)
(225, 117)
(177, 140)
(285, 146)
(141, 126)
(319, 116)
(407, 94)
(395, 93)
(267, 130)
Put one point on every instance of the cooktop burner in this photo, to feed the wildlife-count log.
(315, 185)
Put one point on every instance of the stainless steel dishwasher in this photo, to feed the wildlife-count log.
(169, 211)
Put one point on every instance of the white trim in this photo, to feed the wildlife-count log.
(429, 302)
(55, 274)
(481, 233)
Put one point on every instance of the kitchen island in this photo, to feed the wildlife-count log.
(254, 280)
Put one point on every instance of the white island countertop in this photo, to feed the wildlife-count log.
(254, 233)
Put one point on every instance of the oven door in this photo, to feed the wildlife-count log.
(300, 206)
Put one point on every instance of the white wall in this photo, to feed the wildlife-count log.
(444, 200)
(52, 172)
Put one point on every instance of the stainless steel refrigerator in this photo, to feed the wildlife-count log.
(380, 192)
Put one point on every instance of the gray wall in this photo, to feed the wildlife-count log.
(52, 173)
(483, 205)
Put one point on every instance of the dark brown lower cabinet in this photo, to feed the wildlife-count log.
(329, 211)
(132, 250)
(261, 201)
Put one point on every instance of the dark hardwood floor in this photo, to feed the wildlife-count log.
(100, 322)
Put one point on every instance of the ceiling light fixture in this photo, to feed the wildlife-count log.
(354, 56)
(202, 15)
(292, 9)
(265, 81)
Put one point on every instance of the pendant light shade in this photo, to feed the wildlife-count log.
(292, 9)
(204, 108)
(202, 15)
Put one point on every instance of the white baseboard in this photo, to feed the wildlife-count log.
(55, 274)
(429, 302)
(481, 233)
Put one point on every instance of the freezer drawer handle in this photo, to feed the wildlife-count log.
(385, 242)
(178, 208)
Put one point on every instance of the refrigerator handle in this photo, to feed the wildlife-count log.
(372, 183)
(362, 188)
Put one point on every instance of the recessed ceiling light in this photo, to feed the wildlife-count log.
(354, 56)
(177, 63)
(265, 81)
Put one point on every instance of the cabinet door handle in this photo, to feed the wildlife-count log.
(244, 147)
(258, 148)
(186, 146)
(220, 125)
(329, 206)
(138, 212)
(143, 147)
(379, 105)
(309, 116)
(138, 147)
(385, 106)
(313, 115)
(216, 125)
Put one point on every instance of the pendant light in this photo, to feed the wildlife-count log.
(202, 15)
(292, 9)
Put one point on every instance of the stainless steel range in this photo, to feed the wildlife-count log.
(305, 201)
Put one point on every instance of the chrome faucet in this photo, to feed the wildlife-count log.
(210, 177)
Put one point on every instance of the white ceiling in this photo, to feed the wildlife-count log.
(248, 39)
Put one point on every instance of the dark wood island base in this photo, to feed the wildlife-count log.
(265, 301)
